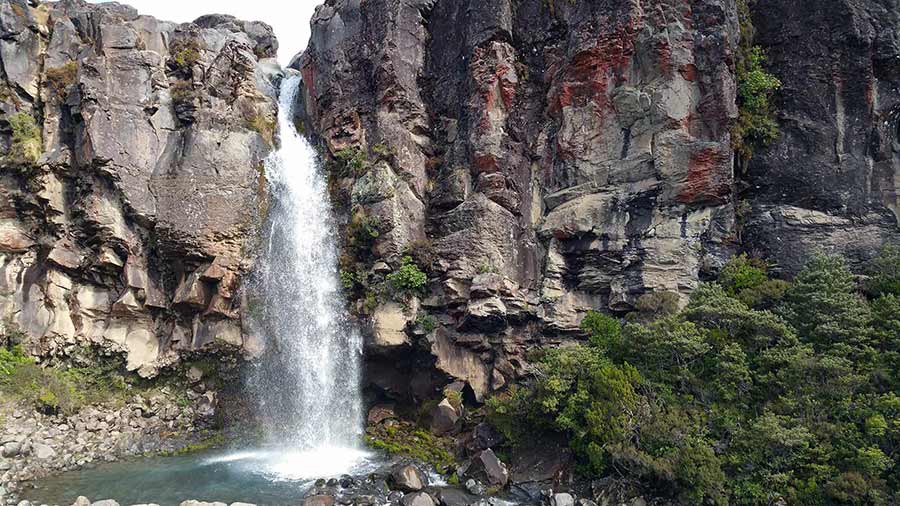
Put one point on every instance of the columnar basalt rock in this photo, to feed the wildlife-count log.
(133, 227)
(558, 156)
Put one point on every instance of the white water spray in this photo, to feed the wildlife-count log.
(307, 386)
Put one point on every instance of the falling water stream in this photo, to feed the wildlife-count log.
(306, 386)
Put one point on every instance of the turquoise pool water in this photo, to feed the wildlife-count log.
(259, 476)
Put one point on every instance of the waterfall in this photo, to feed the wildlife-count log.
(307, 384)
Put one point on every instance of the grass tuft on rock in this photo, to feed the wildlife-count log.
(26, 139)
(60, 79)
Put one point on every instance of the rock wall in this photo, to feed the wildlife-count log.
(129, 217)
(831, 180)
(551, 157)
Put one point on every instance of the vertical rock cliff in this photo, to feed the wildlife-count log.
(132, 184)
(831, 179)
(542, 158)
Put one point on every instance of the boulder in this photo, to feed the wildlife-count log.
(417, 499)
(319, 500)
(380, 413)
(43, 451)
(487, 468)
(408, 478)
(562, 499)
(444, 417)
(455, 497)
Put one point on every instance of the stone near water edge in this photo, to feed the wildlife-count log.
(562, 499)
(486, 467)
(455, 497)
(408, 478)
(417, 499)
(201, 503)
(319, 500)
(474, 487)
(105, 502)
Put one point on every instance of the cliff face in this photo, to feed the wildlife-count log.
(831, 179)
(536, 158)
(546, 158)
(131, 178)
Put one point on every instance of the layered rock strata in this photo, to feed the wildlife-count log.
(129, 215)
(553, 157)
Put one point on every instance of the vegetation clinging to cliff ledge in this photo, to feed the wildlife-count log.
(756, 126)
(26, 139)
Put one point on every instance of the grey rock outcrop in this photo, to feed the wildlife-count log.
(133, 227)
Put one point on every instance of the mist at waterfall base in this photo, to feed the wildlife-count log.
(306, 385)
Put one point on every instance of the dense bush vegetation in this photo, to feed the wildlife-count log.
(54, 390)
(757, 390)
(407, 277)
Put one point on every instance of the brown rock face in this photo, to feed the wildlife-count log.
(130, 229)
(555, 157)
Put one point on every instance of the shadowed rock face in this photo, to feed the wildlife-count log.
(831, 180)
(564, 156)
(132, 229)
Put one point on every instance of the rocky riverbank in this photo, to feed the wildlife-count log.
(35, 444)
(406, 483)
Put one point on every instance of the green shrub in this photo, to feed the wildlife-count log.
(653, 305)
(755, 126)
(747, 279)
(348, 280)
(884, 272)
(603, 330)
(825, 308)
(12, 358)
(741, 273)
(352, 162)
(53, 390)
(26, 139)
(408, 277)
(427, 322)
(185, 53)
